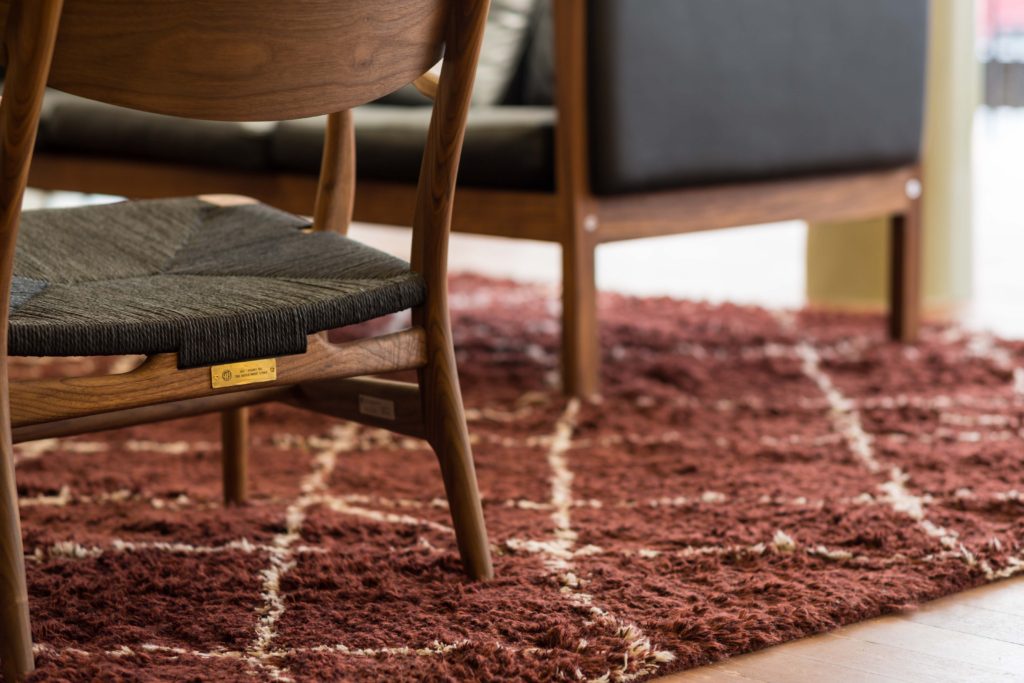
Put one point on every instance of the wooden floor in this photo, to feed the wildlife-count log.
(976, 636)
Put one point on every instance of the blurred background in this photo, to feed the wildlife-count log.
(974, 220)
(973, 217)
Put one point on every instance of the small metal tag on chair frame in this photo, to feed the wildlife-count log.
(246, 372)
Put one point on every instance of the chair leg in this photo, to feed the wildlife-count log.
(445, 423)
(15, 633)
(581, 351)
(905, 275)
(235, 454)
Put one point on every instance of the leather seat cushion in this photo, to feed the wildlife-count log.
(506, 147)
(75, 125)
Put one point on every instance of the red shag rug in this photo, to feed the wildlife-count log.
(748, 478)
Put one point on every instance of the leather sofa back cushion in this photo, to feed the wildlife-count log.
(506, 37)
(687, 92)
(700, 91)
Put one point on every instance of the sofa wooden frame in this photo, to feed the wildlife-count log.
(572, 215)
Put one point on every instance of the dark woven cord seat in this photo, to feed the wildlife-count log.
(215, 284)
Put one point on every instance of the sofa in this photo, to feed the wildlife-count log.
(597, 121)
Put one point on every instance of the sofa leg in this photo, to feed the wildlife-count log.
(234, 436)
(581, 352)
(15, 634)
(905, 275)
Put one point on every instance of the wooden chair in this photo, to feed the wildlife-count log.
(223, 60)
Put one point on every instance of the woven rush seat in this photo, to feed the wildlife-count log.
(215, 284)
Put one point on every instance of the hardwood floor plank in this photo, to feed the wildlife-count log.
(712, 674)
(961, 617)
(923, 639)
(905, 665)
(1004, 596)
(975, 636)
(777, 666)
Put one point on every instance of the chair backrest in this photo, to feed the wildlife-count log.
(243, 60)
(240, 60)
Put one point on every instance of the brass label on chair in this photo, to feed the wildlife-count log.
(246, 372)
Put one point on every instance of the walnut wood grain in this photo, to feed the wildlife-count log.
(502, 213)
(157, 412)
(29, 38)
(443, 415)
(842, 197)
(905, 273)
(578, 208)
(244, 61)
(234, 456)
(159, 380)
(363, 400)
(336, 187)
